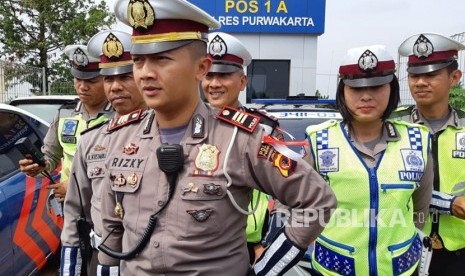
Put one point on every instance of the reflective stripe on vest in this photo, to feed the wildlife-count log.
(451, 155)
(69, 131)
(372, 231)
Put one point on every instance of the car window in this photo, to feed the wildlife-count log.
(46, 111)
(14, 126)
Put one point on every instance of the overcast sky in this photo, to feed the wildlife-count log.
(354, 23)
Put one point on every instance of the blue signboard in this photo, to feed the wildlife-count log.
(267, 16)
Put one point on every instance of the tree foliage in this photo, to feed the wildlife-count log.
(457, 96)
(34, 32)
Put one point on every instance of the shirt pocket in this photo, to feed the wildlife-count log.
(202, 207)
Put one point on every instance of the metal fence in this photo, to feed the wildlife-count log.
(405, 97)
(19, 80)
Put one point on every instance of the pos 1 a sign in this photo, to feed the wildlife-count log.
(267, 16)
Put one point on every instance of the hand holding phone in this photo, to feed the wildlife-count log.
(30, 151)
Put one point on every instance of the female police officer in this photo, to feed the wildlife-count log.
(378, 170)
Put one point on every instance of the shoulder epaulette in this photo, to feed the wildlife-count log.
(318, 127)
(117, 123)
(406, 123)
(239, 118)
(402, 111)
(71, 104)
(93, 127)
(265, 118)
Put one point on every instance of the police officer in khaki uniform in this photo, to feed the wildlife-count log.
(62, 138)
(83, 196)
(221, 87)
(179, 176)
(432, 73)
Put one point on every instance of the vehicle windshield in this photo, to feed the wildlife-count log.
(45, 111)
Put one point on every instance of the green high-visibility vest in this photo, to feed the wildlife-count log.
(69, 131)
(372, 231)
(256, 220)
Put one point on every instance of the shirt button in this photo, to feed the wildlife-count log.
(161, 203)
(156, 244)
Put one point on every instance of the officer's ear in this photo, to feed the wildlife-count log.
(455, 77)
(204, 65)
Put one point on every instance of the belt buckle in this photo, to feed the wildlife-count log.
(437, 243)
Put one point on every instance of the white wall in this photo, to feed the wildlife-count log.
(300, 49)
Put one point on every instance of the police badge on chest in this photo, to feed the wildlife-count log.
(460, 146)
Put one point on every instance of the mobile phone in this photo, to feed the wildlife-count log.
(30, 151)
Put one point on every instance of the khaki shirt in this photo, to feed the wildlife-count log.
(89, 167)
(52, 148)
(182, 244)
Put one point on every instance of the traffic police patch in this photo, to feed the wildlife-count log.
(460, 146)
(69, 131)
(241, 119)
(285, 165)
(328, 160)
(414, 165)
(206, 161)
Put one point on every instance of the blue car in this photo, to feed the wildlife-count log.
(29, 228)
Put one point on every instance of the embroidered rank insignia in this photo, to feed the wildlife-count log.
(140, 14)
(391, 130)
(130, 149)
(198, 126)
(200, 215)
(212, 189)
(243, 120)
(285, 165)
(206, 161)
(117, 123)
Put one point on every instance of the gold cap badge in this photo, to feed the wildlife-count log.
(140, 14)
